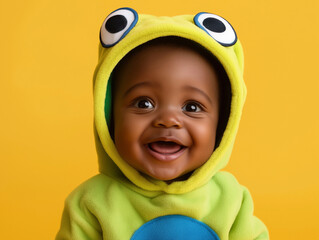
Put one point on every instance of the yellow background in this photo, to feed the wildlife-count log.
(48, 51)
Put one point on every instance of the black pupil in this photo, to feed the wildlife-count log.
(191, 108)
(115, 23)
(214, 25)
(144, 104)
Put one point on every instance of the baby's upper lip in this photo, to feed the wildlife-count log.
(166, 139)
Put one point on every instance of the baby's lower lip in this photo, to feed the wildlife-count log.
(165, 156)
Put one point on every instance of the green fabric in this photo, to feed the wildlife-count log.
(102, 208)
(118, 201)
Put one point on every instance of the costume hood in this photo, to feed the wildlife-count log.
(125, 29)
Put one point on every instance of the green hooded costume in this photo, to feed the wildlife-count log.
(122, 204)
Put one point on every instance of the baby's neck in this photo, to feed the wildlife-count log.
(181, 178)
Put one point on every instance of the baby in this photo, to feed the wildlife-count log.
(168, 95)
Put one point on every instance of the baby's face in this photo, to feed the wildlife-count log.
(166, 111)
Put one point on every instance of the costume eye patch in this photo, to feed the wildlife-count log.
(217, 27)
(117, 25)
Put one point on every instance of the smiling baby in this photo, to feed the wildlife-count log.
(168, 96)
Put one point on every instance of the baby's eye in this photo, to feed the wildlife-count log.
(144, 103)
(192, 107)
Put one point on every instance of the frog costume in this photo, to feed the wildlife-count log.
(122, 204)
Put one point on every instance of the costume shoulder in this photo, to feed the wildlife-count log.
(244, 225)
(99, 208)
(79, 216)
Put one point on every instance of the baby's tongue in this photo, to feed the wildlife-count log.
(165, 147)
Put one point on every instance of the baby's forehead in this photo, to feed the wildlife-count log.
(151, 49)
(174, 43)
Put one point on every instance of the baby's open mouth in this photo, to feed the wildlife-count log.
(165, 147)
(165, 150)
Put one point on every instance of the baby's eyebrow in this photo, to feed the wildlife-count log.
(199, 91)
(146, 84)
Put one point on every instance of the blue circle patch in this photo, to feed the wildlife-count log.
(175, 227)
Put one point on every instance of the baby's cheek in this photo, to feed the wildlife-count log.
(128, 130)
(204, 130)
(203, 135)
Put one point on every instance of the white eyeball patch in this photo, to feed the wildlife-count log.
(117, 25)
(120, 22)
(217, 27)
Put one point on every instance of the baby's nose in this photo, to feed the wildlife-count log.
(168, 119)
